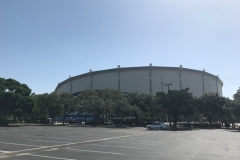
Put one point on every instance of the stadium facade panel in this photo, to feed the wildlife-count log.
(147, 79)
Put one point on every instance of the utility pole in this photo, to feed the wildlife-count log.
(169, 84)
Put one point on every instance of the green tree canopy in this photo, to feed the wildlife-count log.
(48, 105)
(211, 105)
(15, 99)
(176, 103)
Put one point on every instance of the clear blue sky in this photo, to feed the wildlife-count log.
(42, 42)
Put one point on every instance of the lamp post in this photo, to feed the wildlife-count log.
(168, 85)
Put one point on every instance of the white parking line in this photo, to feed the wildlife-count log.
(121, 142)
(18, 144)
(45, 141)
(4, 151)
(81, 136)
(52, 149)
(114, 146)
(27, 154)
(65, 146)
(81, 150)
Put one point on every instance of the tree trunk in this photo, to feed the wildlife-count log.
(175, 122)
(64, 118)
(210, 120)
(53, 120)
(136, 120)
(170, 120)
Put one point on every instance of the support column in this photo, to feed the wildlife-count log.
(119, 77)
(203, 81)
(180, 77)
(150, 77)
(91, 81)
(217, 85)
(162, 82)
(70, 85)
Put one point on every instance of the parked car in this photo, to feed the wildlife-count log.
(156, 126)
(108, 122)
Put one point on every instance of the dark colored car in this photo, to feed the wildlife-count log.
(108, 122)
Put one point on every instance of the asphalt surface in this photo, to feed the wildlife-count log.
(90, 143)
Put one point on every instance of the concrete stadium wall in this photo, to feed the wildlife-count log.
(147, 80)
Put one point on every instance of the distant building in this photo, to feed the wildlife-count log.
(148, 79)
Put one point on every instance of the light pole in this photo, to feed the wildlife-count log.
(168, 85)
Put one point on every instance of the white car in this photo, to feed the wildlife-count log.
(156, 126)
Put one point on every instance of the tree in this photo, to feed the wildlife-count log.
(109, 96)
(145, 104)
(122, 108)
(135, 111)
(66, 101)
(15, 98)
(54, 106)
(194, 114)
(134, 101)
(49, 105)
(91, 102)
(176, 103)
(41, 109)
(26, 105)
(236, 96)
(211, 105)
(77, 105)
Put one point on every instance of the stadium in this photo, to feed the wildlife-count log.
(147, 79)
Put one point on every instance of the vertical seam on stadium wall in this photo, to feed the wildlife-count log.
(150, 79)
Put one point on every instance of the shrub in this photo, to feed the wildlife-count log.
(4, 122)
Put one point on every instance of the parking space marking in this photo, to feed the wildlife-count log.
(87, 136)
(114, 146)
(82, 150)
(63, 146)
(122, 142)
(4, 151)
(27, 150)
(52, 149)
(45, 141)
(35, 155)
(18, 144)
(154, 139)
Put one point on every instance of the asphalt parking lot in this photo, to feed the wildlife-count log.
(89, 143)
